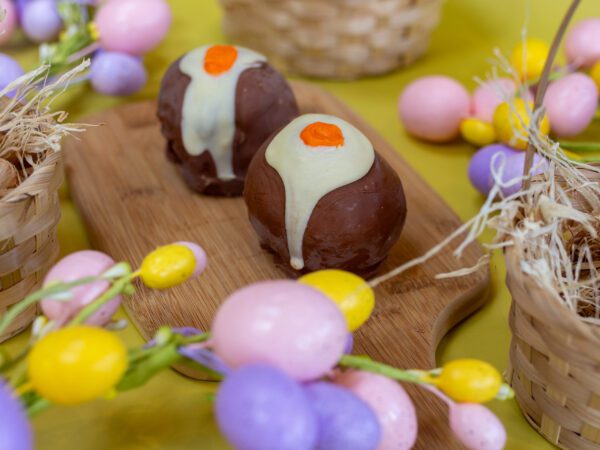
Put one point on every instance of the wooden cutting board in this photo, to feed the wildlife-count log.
(132, 200)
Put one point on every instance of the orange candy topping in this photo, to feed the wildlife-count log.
(219, 59)
(320, 134)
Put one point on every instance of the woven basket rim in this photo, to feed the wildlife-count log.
(22, 191)
(552, 310)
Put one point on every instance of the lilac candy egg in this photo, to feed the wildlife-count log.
(391, 404)
(260, 407)
(133, 26)
(432, 108)
(15, 429)
(349, 344)
(480, 166)
(489, 95)
(582, 43)
(10, 70)
(199, 254)
(514, 169)
(345, 421)
(117, 74)
(87, 263)
(477, 427)
(282, 323)
(571, 104)
(40, 20)
(9, 24)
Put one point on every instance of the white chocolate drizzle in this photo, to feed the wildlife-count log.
(208, 116)
(309, 173)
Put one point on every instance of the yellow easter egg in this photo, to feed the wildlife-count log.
(477, 132)
(349, 292)
(511, 124)
(469, 380)
(529, 58)
(168, 266)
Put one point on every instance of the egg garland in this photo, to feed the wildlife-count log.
(305, 197)
(120, 33)
(500, 109)
(217, 105)
(276, 392)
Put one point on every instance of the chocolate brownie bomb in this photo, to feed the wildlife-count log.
(217, 105)
(320, 197)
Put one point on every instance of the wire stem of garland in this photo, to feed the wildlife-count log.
(367, 364)
(581, 146)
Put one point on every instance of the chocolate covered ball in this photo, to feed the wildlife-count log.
(217, 106)
(319, 196)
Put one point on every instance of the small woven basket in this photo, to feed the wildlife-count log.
(29, 215)
(341, 39)
(554, 362)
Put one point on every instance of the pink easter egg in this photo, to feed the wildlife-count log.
(9, 24)
(391, 404)
(571, 104)
(582, 43)
(199, 254)
(281, 323)
(87, 263)
(133, 26)
(477, 427)
(432, 108)
(489, 95)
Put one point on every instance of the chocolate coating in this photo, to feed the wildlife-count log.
(264, 102)
(351, 228)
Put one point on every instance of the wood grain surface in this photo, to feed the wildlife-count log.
(132, 200)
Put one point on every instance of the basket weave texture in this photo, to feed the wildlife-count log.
(554, 363)
(341, 39)
(29, 215)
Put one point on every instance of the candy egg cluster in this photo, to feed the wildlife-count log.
(498, 114)
(120, 33)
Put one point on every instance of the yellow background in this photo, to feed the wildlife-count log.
(172, 412)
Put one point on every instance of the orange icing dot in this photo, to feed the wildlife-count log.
(219, 59)
(320, 134)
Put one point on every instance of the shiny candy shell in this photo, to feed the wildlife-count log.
(529, 58)
(582, 43)
(432, 108)
(120, 74)
(78, 265)
(512, 123)
(348, 291)
(283, 323)
(133, 26)
(391, 404)
(477, 132)
(469, 380)
(571, 104)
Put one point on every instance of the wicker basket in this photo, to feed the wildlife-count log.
(554, 363)
(29, 216)
(341, 39)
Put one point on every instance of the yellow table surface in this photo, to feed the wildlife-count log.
(172, 412)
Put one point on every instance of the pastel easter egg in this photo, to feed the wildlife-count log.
(9, 24)
(571, 104)
(282, 323)
(345, 421)
(87, 263)
(117, 74)
(391, 404)
(259, 407)
(582, 43)
(10, 70)
(15, 429)
(432, 108)
(40, 20)
(513, 169)
(479, 171)
(199, 254)
(477, 427)
(489, 95)
(133, 26)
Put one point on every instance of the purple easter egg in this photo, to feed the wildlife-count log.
(199, 254)
(349, 344)
(480, 166)
(10, 70)
(15, 429)
(282, 323)
(345, 421)
(133, 26)
(571, 104)
(9, 24)
(582, 43)
(515, 164)
(117, 73)
(477, 427)
(87, 263)
(40, 20)
(260, 407)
